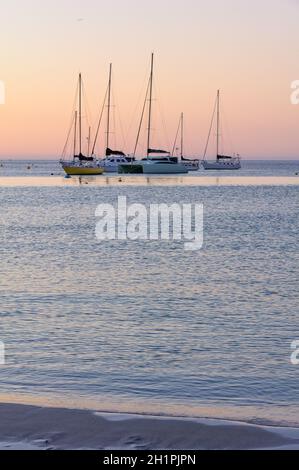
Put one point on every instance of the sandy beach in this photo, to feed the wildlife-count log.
(29, 427)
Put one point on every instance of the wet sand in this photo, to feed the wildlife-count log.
(29, 427)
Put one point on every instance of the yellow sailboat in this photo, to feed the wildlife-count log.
(80, 170)
(81, 164)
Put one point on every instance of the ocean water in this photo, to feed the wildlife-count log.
(146, 325)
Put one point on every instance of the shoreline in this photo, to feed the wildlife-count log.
(50, 428)
(272, 415)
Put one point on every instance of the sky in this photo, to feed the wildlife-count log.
(249, 49)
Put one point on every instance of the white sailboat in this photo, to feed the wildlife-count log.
(189, 163)
(222, 162)
(157, 161)
(80, 164)
(112, 157)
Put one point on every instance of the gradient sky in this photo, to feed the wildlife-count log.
(248, 49)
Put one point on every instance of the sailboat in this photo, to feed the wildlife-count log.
(222, 162)
(81, 164)
(112, 157)
(190, 164)
(157, 161)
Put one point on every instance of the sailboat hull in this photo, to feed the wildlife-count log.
(229, 165)
(153, 168)
(130, 168)
(164, 168)
(190, 165)
(73, 170)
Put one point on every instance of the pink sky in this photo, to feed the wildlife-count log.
(250, 50)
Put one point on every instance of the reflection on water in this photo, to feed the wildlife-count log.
(139, 180)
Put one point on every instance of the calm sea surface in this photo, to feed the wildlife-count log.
(147, 326)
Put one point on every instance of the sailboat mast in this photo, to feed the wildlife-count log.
(182, 135)
(80, 114)
(150, 106)
(75, 132)
(88, 140)
(109, 106)
(218, 122)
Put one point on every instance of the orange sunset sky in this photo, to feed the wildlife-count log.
(248, 49)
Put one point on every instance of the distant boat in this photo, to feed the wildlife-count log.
(222, 162)
(189, 163)
(112, 157)
(81, 164)
(157, 161)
